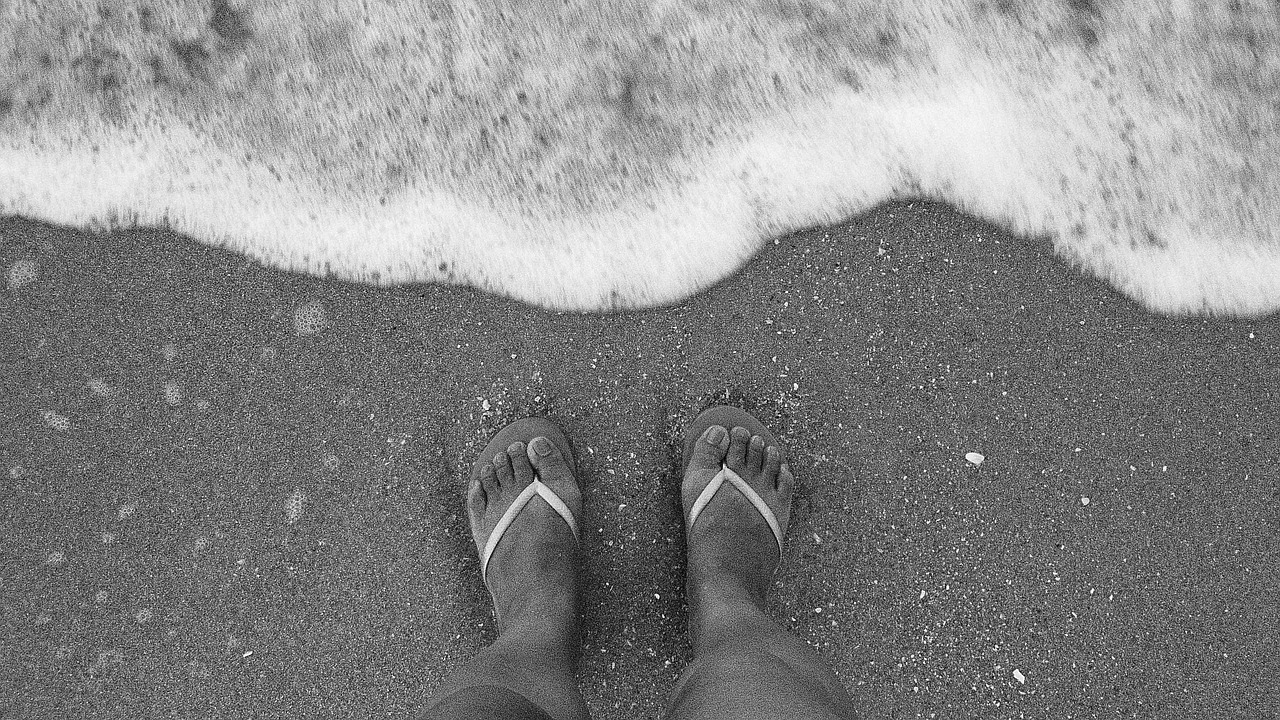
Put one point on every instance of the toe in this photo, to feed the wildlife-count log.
(708, 451)
(755, 455)
(488, 481)
(786, 481)
(502, 468)
(521, 469)
(476, 495)
(739, 438)
(546, 457)
(772, 465)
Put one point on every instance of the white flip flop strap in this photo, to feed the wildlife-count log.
(750, 494)
(537, 487)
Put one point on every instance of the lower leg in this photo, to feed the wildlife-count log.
(747, 667)
(529, 658)
(528, 672)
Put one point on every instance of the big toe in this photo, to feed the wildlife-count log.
(553, 469)
(709, 450)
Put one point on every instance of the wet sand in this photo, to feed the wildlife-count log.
(227, 491)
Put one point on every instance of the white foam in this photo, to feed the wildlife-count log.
(1150, 158)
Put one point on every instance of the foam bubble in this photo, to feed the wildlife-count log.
(172, 393)
(22, 273)
(99, 387)
(56, 558)
(310, 318)
(127, 510)
(56, 421)
(294, 504)
(144, 615)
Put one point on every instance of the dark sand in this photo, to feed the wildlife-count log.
(149, 568)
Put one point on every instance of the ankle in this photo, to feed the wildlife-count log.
(721, 615)
(724, 597)
(542, 613)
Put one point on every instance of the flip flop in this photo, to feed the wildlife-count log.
(730, 417)
(523, 431)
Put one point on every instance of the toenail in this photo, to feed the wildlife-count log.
(541, 446)
(715, 435)
(757, 440)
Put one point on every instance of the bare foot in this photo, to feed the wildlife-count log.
(532, 573)
(732, 553)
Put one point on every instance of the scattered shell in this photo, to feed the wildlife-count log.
(975, 458)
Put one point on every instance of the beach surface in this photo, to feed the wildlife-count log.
(229, 491)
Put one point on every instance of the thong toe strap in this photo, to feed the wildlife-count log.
(537, 487)
(747, 491)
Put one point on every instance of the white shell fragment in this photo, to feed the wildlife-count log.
(975, 458)
(1017, 675)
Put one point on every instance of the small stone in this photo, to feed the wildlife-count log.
(1084, 501)
(1017, 675)
(975, 458)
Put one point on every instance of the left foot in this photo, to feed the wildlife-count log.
(533, 570)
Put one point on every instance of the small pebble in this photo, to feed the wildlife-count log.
(975, 458)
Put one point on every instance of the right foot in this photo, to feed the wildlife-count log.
(732, 553)
(532, 571)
